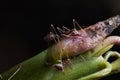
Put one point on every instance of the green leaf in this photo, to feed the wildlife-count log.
(80, 68)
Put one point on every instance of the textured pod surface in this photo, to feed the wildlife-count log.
(75, 42)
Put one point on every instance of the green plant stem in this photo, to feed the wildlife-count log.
(89, 68)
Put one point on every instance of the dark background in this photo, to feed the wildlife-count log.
(23, 24)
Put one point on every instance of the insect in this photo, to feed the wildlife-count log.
(53, 36)
(75, 42)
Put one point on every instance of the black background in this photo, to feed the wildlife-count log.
(23, 24)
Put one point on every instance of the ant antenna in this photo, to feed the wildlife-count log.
(60, 30)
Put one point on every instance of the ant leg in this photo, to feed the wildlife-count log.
(69, 61)
(60, 30)
(65, 28)
(55, 32)
(76, 23)
(53, 29)
(59, 65)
